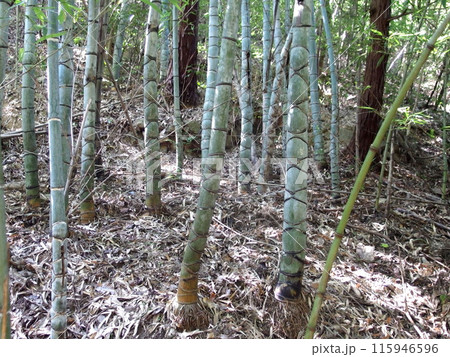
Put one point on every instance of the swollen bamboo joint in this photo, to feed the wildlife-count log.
(151, 114)
(187, 313)
(58, 216)
(187, 291)
(288, 288)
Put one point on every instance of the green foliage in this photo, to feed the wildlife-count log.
(20, 53)
(173, 2)
(410, 118)
(78, 41)
(41, 16)
(69, 8)
(149, 3)
(134, 32)
(51, 35)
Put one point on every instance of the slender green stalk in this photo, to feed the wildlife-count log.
(287, 16)
(362, 175)
(124, 19)
(279, 95)
(100, 66)
(87, 207)
(274, 109)
(189, 315)
(390, 172)
(66, 86)
(295, 195)
(245, 100)
(5, 312)
(319, 156)
(4, 27)
(283, 94)
(16, 47)
(176, 92)
(57, 181)
(264, 170)
(213, 61)
(165, 53)
(445, 129)
(277, 32)
(334, 132)
(383, 168)
(29, 135)
(151, 122)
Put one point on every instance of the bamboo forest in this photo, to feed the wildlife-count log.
(219, 169)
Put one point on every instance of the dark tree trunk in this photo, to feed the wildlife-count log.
(371, 97)
(188, 38)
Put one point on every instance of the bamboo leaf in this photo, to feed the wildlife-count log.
(62, 16)
(40, 14)
(150, 3)
(52, 35)
(368, 108)
(69, 8)
(175, 3)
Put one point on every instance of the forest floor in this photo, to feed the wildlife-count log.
(390, 280)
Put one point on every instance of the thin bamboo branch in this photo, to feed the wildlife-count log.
(444, 131)
(383, 167)
(389, 186)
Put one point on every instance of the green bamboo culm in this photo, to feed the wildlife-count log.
(292, 260)
(316, 121)
(187, 312)
(5, 313)
(362, 175)
(65, 72)
(287, 16)
(273, 97)
(245, 101)
(165, 53)
(5, 6)
(264, 169)
(278, 94)
(176, 92)
(334, 128)
(151, 119)
(58, 219)
(124, 19)
(445, 129)
(30, 156)
(211, 75)
(87, 206)
(383, 168)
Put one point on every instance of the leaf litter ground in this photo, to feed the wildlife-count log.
(390, 279)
